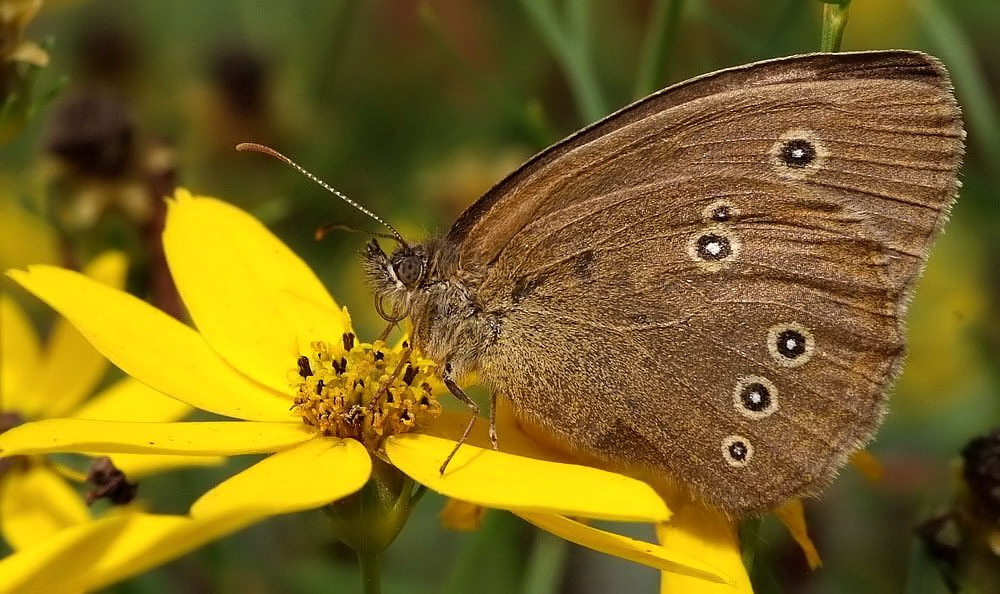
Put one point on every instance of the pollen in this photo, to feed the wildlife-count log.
(362, 390)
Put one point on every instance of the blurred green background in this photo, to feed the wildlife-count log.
(414, 109)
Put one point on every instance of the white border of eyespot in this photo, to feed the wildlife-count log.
(738, 400)
(789, 172)
(772, 344)
(729, 459)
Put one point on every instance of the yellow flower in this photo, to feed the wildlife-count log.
(706, 534)
(25, 238)
(263, 319)
(93, 555)
(54, 381)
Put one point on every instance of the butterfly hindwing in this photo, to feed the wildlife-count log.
(709, 285)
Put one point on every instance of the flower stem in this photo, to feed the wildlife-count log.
(570, 44)
(371, 574)
(834, 22)
(369, 520)
(661, 34)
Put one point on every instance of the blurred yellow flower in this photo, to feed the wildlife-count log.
(55, 381)
(24, 237)
(260, 313)
(93, 555)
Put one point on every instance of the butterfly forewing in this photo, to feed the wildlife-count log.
(708, 286)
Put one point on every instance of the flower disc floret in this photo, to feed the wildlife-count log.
(364, 391)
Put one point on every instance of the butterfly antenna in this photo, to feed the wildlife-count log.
(327, 228)
(253, 147)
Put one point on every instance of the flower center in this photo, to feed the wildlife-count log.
(363, 391)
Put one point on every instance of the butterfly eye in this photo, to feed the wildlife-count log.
(409, 270)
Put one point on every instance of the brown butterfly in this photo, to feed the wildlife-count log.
(707, 286)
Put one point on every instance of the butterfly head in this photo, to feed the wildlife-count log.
(395, 277)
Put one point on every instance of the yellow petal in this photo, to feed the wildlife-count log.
(108, 268)
(256, 302)
(462, 516)
(20, 356)
(35, 503)
(511, 435)
(149, 540)
(691, 567)
(304, 477)
(24, 237)
(152, 347)
(793, 516)
(30, 52)
(528, 484)
(130, 400)
(868, 465)
(704, 534)
(59, 563)
(136, 466)
(207, 438)
(71, 367)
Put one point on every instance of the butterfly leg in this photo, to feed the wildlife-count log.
(493, 421)
(449, 380)
(384, 388)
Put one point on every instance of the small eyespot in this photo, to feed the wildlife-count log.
(737, 451)
(797, 154)
(790, 344)
(755, 397)
(721, 211)
(713, 248)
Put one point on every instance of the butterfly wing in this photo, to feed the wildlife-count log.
(709, 285)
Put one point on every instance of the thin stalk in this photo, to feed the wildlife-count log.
(371, 572)
(834, 23)
(546, 565)
(952, 43)
(657, 47)
(570, 48)
(750, 541)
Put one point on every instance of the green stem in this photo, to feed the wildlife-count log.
(834, 23)
(369, 520)
(371, 574)
(750, 541)
(953, 45)
(657, 46)
(571, 49)
(546, 565)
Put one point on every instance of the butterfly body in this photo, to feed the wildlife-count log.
(709, 285)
